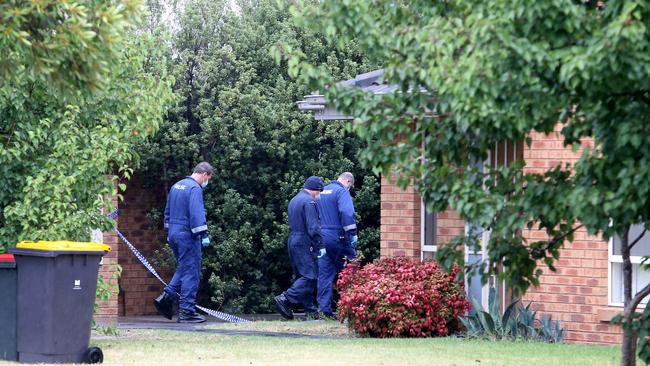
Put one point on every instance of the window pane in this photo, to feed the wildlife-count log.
(617, 282)
(474, 288)
(429, 228)
(640, 278)
(642, 248)
(428, 256)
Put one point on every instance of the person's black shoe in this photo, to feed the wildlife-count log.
(283, 306)
(185, 316)
(165, 305)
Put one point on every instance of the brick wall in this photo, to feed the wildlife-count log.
(108, 310)
(577, 293)
(448, 226)
(138, 287)
(400, 232)
(400, 221)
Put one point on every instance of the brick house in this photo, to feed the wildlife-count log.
(584, 293)
(586, 290)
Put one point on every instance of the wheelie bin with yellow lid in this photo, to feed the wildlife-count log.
(56, 284)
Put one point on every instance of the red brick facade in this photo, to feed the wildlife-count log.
(400, 221)
(108, 310)
(138, 287)
(577, 294)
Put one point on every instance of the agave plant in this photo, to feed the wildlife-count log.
(516, 322)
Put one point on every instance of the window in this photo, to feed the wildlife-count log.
(428, 232)
(640, 277)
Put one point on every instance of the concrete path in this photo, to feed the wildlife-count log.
(159, 322)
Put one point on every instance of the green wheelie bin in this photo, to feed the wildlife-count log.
(8, 307)
(56, 284)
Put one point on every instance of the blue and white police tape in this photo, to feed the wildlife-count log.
(145, 262)
(140, 257)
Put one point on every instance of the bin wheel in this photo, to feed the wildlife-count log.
(94, 355)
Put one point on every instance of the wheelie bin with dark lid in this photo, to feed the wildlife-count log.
(56, 283)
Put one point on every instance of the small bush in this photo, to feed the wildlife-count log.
(516, 322)
(103, 292)
(399, 297)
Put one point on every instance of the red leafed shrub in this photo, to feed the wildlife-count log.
(399, 297)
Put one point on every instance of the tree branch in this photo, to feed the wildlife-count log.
(563, 236)
(637, 239)
(631, 307)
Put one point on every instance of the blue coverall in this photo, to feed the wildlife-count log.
(338, 227)
(186, 225)
(304, 244)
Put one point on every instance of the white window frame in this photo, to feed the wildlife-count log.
(612, 258)
(423, 218)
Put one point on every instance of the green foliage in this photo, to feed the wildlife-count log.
(163, 257)
(476, 73)
(640, 323)
(237, 110)
(103, 293)
(515, 322)
(79, 86)
(64, 44)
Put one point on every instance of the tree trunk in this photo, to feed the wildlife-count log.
(628, 348)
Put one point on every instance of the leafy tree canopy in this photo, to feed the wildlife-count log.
(237, 110)
(78, 87)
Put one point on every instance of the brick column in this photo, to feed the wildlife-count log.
(108, 310)
(400, 221)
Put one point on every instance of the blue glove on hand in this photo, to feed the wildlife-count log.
(321, 253)
(205, 242)
(354, 239)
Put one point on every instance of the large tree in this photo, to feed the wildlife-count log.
(78, 88)
(237, 110)
(472, 74)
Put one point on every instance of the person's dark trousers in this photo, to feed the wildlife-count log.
(305, 268)
(187, 250)
(329, 265)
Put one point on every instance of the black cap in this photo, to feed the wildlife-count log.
(313, 183)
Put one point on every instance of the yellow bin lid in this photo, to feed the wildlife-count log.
(64, 245)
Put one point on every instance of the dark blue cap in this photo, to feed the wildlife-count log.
(313, 183)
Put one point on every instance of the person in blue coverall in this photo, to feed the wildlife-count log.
(187, 233)
(304, 245)
(339, 231)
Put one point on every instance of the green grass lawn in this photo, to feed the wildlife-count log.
(163, 347)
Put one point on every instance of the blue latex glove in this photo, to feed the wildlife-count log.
(321, 253)
(205, 242)
(354, 239)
